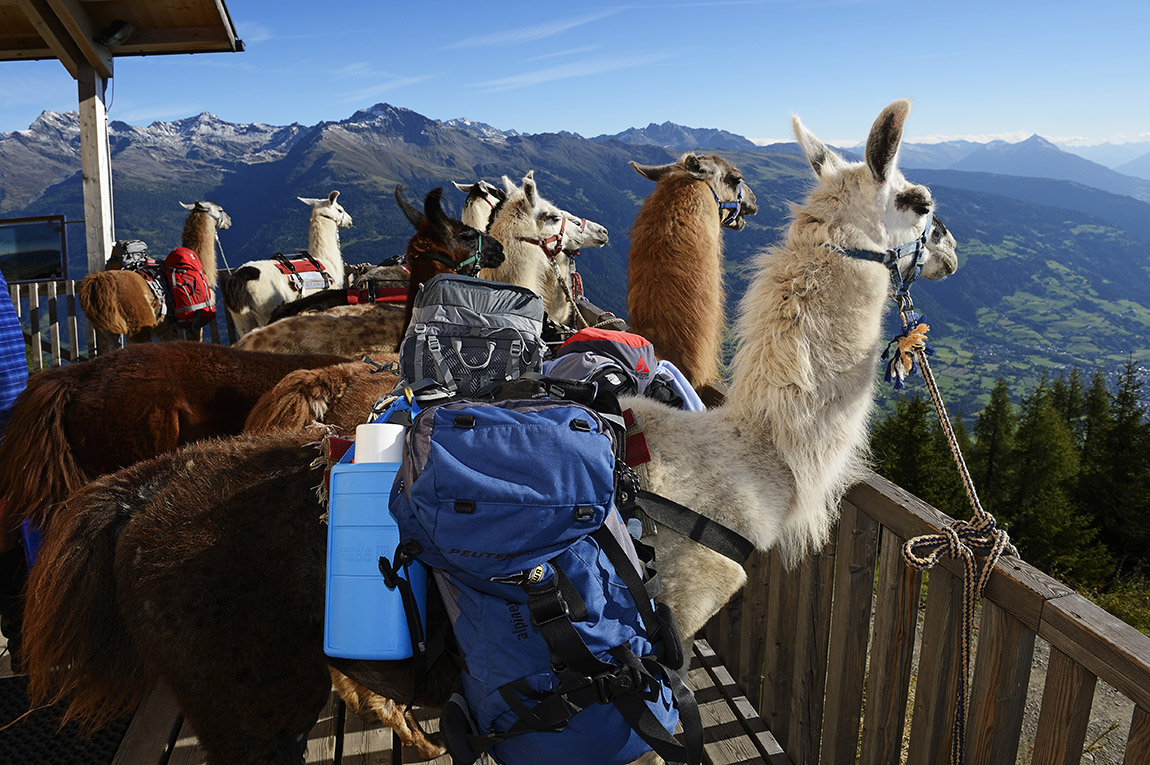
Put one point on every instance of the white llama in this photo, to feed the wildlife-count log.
(538, 239)
(773, 463)
(254, 290)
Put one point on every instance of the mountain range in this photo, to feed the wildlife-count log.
(1054, 249)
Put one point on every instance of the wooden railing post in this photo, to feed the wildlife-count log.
(850, 631)
(1066, 701)
(998, 690)
(935, 695)
(892, 649)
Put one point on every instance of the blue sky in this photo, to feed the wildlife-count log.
(1065, 70)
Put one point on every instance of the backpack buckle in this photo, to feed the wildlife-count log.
(547, 606)
(624, 681)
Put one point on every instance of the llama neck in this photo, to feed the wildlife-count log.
(523, 264)
(200, 237)
(323, 245)
(803, 378)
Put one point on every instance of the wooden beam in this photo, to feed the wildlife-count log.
(25, 49)
(96, 167)
(75, 20)
(48, 24)
(177, 40)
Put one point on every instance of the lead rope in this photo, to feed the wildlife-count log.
(961, 539)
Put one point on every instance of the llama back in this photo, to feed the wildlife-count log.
(675, 293)
(70, 618)
(118, 302)
(37, 467)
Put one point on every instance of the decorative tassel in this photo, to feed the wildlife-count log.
(901, 363)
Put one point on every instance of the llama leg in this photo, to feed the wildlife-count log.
(369, 705)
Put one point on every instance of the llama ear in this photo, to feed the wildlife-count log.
(494, 191)
(332, 197)
(309, 202)
(529, 189)
(509, 185)
(693, 165)
(884, 139)
(415, 217)
(433, 209)
(822, 159)
(464, 187)
(187, 206)
(653, 172)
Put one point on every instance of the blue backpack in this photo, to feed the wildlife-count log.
(567, 657)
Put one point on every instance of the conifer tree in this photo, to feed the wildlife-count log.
(910, 449)
(1041, 514)
(1125, 470)
(1069, 398)
(989, 458)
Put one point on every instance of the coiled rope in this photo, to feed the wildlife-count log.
(961, 539)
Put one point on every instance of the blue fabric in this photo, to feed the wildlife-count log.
(13, 359)
(691, 400)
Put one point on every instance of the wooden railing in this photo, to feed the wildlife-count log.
(56, 327)
(826, 651)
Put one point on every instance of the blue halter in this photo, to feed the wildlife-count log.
(728, 211)
(891, 257)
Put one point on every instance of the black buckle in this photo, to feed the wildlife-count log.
(546, 607)
(625, 680)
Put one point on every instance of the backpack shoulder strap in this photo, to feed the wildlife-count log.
(705, 531)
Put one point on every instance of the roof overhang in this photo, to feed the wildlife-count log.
(84, 32)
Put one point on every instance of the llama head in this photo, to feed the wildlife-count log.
(212, 210)
(869, 205)
(732, 194)
(328, 208)
(525, 215)
(445, 244)
(482, 199)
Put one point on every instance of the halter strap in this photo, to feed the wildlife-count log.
(891, 257)
(728, 211)
(467, 267)
(556, 239)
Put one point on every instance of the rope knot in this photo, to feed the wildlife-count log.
(907, 347)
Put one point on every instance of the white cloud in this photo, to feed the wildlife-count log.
(369, 93)
(254, 32)
(568, 71)
(568, 52)
(530, 34)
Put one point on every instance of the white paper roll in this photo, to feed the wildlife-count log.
(379, 442)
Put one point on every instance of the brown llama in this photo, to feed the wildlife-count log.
(73, 423)
(111, 657)
(120, 302)
(339, 396)
(675, 264)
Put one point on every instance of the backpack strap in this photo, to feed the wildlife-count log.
(705, 531)
(585, 680)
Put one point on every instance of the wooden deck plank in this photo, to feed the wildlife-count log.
(733, 731)
(153, 729)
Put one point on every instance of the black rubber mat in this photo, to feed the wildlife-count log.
(38, 739)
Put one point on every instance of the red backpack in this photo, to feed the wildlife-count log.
(195, 306)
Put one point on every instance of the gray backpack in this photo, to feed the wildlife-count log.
(469, 335)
